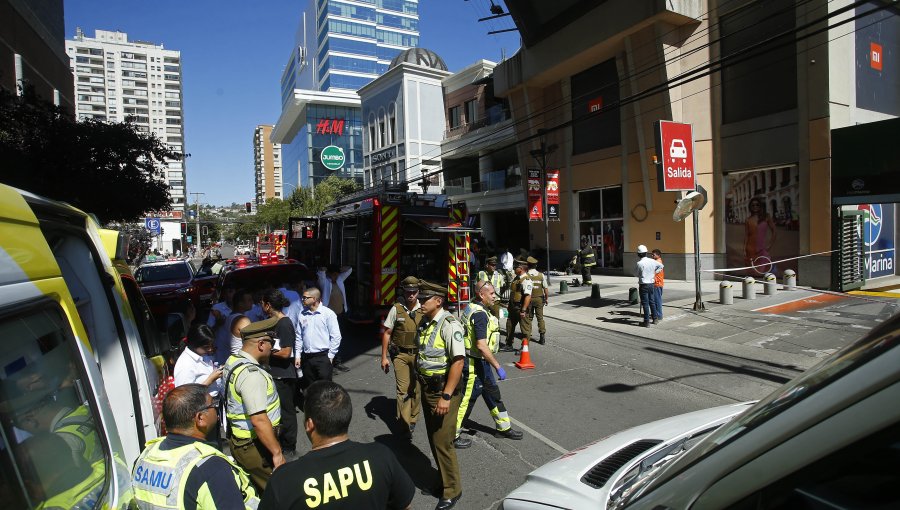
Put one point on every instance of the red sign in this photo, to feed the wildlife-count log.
(595, 104)
(167, 215)
(330, 127)
(535, 209)
(675, 156)
(553, 194)
(875, 56)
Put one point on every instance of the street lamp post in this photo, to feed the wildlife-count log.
(197, 202)
(540, 156)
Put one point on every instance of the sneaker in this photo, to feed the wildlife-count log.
(509, 434)
(461, 443)
(645, 324)
(507, 348)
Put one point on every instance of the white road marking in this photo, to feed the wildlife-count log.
(762, 341)
(696, 324)
(820, 353)
(544, 439)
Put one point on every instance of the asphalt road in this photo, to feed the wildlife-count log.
(588, 383)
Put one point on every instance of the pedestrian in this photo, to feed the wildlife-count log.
(196, 363)
(180, 470)
(482, 342)
(240, 305)
(540, 297)
(520, 290)
(320, 337)
(221, 310)
(645, 270)
(506, 261)
(587, 257)
(253, 408)
(658, 282)
(334, 295)
(281, 366)
(399, 342)
(368, 475)
(442, 351)
(497, 279)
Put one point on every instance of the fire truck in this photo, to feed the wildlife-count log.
(388, 234)
(304, 242)
(271, 245)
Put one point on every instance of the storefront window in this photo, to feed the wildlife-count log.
(600, 222)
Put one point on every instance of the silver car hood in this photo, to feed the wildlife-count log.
(558, 484)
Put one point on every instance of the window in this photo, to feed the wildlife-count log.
(591, 89)
(401, 22)
(453, 116)
(49, 433)
(600, 223)
(396, 38)
(350, 28)
(372, 137)
(382, 134)
(470, 111)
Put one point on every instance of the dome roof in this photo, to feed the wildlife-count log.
(419, 57)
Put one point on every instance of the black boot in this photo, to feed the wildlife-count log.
(543, 340)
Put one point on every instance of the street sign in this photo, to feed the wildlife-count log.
(675, 156)
(535, 199)
(553, 194)
(332, 157)
(152, 224)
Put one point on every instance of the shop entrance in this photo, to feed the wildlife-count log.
(601, 223)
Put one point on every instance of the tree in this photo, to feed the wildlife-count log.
(306, 202)
(111, 170)
(140, 240)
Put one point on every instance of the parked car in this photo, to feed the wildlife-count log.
(828, 439)
(171, 286)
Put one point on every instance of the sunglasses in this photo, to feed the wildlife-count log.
(304, 298)
(214, 405)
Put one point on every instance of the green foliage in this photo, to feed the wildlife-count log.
(111, 170)
(306, 202)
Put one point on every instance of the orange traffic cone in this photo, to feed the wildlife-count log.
(524, 362)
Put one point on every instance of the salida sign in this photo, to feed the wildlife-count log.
(675, 156)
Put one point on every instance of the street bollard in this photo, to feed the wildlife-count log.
(563, 287)
(749, 291)
(790, 279)
(725, 295)
(770, 284)
(633, 296)
(595, 291)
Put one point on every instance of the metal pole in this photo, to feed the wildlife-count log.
(698, 303)
(197, 204)
(546, 216)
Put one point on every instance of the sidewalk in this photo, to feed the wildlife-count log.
(791, 328)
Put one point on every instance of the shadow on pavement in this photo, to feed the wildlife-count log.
(594, 303)
(734, 368)
(356, 339)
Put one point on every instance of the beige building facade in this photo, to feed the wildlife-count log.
(267, 166)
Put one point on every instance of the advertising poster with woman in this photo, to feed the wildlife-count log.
(762, 225)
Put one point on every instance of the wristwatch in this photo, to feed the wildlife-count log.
(446, 396)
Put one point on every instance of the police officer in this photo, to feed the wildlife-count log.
(539, 298)
(587, 257)
(482, 342)
(180, 470)
(252, 407)
(497, 279)
(519, 301)
(442, 351)
(399, 341)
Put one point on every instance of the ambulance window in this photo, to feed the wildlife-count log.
(50, 450)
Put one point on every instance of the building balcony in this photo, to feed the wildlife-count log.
(494, 115)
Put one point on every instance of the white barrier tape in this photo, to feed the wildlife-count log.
(769, 263)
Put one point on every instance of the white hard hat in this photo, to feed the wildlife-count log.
(642, 248)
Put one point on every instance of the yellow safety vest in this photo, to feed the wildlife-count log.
(80, 425)
(496, 278)
(159, 477)
(83, 496)
(433, 358)
(403, 333)
(493, 330)
(241, 428)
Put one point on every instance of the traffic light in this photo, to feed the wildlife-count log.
(248, 205)
(205, 230)
(183, 228)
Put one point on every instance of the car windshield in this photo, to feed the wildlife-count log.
(168, 272)
(832, 368)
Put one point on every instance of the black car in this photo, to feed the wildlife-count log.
(252, 274)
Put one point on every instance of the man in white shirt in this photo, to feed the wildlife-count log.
(320, 337)
(645, 270)
(329, 278)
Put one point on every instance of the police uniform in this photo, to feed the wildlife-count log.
(404, 324)
(587, 257)
(160, 476)
(537, 298)
(441, 341)
(243, 375)
(498, 280)
(519, 289)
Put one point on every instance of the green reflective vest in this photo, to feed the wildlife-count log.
(497, 279)
(238, 419)
(160, 476)
(433, 358)
(493, 330)
(83, 496)
(80, 424)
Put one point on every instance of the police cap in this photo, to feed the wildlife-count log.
(531, 260)
(520, 262)
(410, 283)
(260, 329)
(428, 289)
(491, 260)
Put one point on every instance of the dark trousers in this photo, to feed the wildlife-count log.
(586, 275)
(657, 294)
(648, 300)
(316, 366)
(486, 386)
(288, 431)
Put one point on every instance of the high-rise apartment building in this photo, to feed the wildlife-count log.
(117, 79)
(266, 166)
(341, 46)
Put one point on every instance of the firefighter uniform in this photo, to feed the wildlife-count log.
(541, 290)
(497, 279)
(519, 290)
(404, 324)
(242, 372)
(588, 259)
(160, 476)
(441, 340)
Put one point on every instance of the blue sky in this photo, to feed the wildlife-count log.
(233, 53)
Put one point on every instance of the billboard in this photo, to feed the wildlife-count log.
(553, 194)
(535, 207)
(878, 239)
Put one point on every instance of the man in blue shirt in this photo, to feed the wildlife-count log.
(320, 337)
